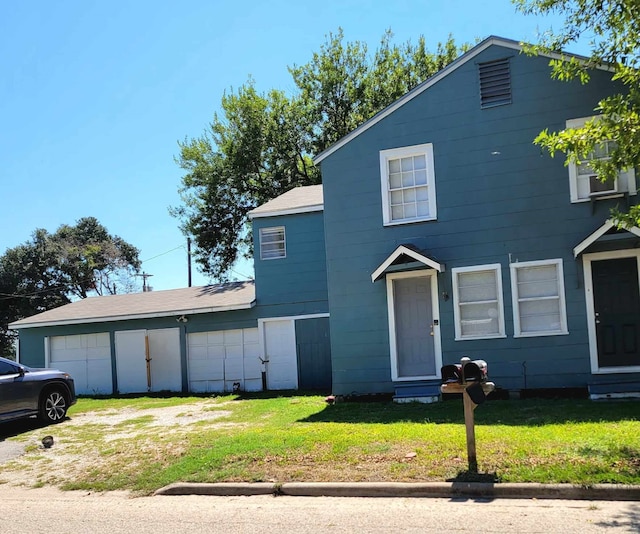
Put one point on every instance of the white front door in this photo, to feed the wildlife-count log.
(131, 361)
(414, 333)
(280, 353)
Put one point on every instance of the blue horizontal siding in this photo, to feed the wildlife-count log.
(498, 197)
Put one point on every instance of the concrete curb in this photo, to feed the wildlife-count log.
(603, 492)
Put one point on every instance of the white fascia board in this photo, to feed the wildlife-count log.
(402, 250)
(292, 211)
(130, 317)
(591, 239)
(418, 89)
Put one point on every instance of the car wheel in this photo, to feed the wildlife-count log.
(53, 406)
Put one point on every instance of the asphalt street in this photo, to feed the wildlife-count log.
(48, 510)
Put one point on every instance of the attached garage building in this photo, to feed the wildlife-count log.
(248, 336)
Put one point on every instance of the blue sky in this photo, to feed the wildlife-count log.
(94, 96)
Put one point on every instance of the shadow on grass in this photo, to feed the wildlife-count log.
(530, 412)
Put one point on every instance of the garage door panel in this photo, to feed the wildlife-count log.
(87, 358)
(198, 352)
(227, 354)
(215, 338)
(95, 370)
(233, 337)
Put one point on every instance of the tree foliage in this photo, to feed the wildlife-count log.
(612, 27)
(260, 144)
(50, 270)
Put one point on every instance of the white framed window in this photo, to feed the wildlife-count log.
(272, 243)
(537, 290)
(408, 184)
(584, 184)
(477, 302)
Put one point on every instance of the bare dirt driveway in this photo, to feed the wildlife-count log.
(26, 462)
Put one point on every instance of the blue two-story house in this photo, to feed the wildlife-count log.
(449, 234)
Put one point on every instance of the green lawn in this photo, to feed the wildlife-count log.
(301, 438)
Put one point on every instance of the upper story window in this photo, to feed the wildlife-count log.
(537, 290)
(495, 83)
(584, 183)
(408, 184)
(272, 243)
(477, 298)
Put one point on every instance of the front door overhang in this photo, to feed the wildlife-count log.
(401, 255)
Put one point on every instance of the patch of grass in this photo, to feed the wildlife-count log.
(300, 438)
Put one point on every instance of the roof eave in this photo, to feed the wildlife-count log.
(292, 211)
(132, 316)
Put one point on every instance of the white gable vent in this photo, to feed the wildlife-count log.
(495, 83)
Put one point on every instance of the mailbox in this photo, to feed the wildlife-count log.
(466, 371)
(452, 373)
(474, 371)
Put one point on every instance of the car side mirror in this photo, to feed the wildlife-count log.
(21, 371)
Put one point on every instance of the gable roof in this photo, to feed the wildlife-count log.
(185, 301)
(303, 199)
(419, 89)
(402, 252)
(599, 233)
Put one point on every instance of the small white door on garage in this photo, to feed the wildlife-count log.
(164, 370)
(280, 352)
(87, 358)
(218, 360)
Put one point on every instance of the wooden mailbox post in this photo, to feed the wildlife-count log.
(474, 388)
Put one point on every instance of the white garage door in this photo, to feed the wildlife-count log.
(280, 350)
(219, 359)
(87, 358)
(163, 368)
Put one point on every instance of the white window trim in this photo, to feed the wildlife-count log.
(395, 153)
(497, 269)
(591, 317)
(625, 183)
(274, 229)
(561, 299)
(393, 347)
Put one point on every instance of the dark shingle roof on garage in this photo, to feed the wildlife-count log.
(185, 301)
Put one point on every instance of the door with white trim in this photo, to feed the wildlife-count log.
(414, 333)
(280, 352)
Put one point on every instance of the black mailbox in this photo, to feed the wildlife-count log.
(451, 373)
(466, 371)
(475, 371)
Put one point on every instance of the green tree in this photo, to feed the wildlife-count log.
(612, 27)
(260, 145)
(50, 270)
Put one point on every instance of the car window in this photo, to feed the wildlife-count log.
(7, 369)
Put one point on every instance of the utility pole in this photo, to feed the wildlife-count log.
(188, 262)
(145, 287)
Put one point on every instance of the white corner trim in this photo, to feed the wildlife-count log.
(408, 252)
